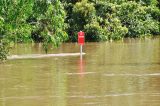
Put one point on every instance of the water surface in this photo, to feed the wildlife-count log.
(111, 74)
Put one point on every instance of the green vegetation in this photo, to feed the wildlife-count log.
(57, 21)
(112, 19)
(24, 21)
(4, 49)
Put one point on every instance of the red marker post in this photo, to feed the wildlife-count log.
(81, 40)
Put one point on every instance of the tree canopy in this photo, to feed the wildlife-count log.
(112, 19)
(57, 21)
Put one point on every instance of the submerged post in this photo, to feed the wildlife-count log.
(81, 50)
(81, 41)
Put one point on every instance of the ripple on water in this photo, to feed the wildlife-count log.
(84, 73)
(134, 75)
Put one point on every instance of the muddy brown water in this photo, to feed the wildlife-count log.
(110, 74)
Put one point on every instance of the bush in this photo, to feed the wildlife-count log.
(15, 14)
(104, 8)
(114, 28)
(94, 32)
(116, 19)
(49, 25)
(137, 19)
(109, 21)
(83, 14)
(1, 27)
(32, 20)
(4, 49)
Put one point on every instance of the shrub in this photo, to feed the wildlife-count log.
(4, 49)
(28, 20)
(83, 13)
(15, 14)
(115, 29)
(50, 25)
(94, 32)
(137, 19)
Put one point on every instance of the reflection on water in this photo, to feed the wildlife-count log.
(110, 74)
(81, 70)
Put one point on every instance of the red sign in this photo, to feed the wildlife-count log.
(81, 38)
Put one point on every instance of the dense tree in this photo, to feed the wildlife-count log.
(138, 19)
(112, 19)
(51, 21)
(32, 20)
(48, 23)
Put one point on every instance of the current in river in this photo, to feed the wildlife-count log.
(120, 73)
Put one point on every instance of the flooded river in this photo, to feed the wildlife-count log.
(110, 74)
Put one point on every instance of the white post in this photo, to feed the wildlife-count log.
(81, 47)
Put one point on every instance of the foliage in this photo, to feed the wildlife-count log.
(32, 20)
(4, 49)
(15, 14)
(49, 26)
(51, 21)
(137, 19)
(94, 32)
(1, 27)
(112, 19)
(107, 18)
(83, 13)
